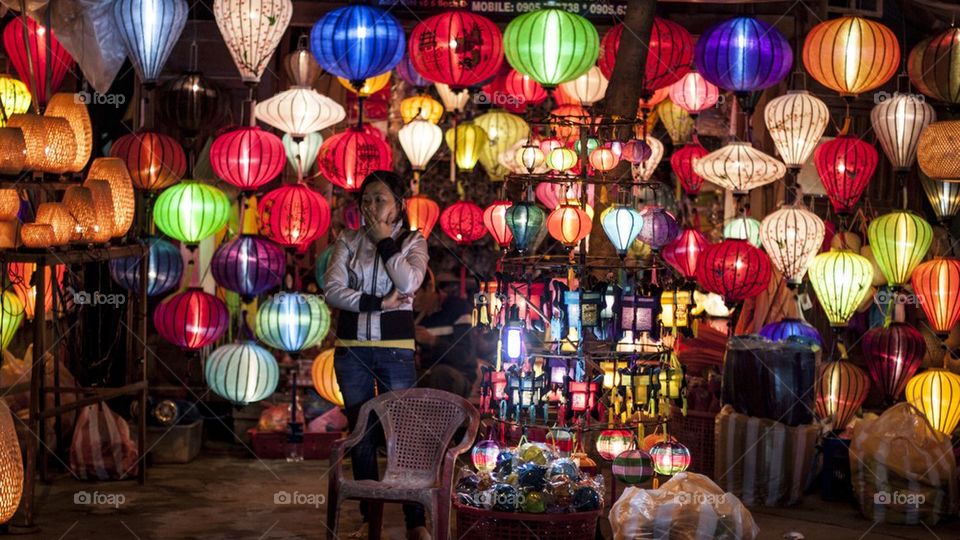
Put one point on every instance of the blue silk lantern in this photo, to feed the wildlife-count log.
(357, 42)
(293, 321)
(622, 225)
(249, 265)
(164, 268)
(242, 372)
(525, 221)
(149, 29)
(743, 55)
(787, 328)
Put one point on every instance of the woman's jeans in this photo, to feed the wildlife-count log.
(358, 369)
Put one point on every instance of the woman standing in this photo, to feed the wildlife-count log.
(372, 277)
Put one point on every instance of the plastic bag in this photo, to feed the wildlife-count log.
(903, 470)
(102, 448)
(687, 507)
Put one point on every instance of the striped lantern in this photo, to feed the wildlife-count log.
(792, 236)
(421, 107)
(12, 311)
(155, 161)
(841, 279)
(669, 55)
(934, 67)
(670, 457)
(522, 87)
(785, 329)
(551, 45)
(743, 55)
(457, 48)
(484, 455)
(293, 215)
(845, 165)
(633, 467)
(301, 66)
(302, 153)
(252, 29)
(14, 97)
(944, 197)
(682, 162)
(325, 378)
(191, 319)
(525, 221)
(693, 93)
(659, 227)
(299, 111)
(678, 122)
(851, 55)
(409, 75)
(357, 42)
(495, 220)
(643, 171)
(191, 102)
(893, 354)
(149, 30)
(937, 286)
(347, 158)
(462, 221)
(569, 224)
(242, 372)
(191, 211)
(420, 140)
(32, 58)
(248, 265)
(588, 88)
(164, 268)
(293, 321)
(899, 241)
(739, 167)
(466, 142)
(20, 276)
(841, 389)
(796, 122)
(733, 269)
(247, 157)
(936, 394)
(743, 228)
(622, 224)
(684, 252)
(422, 214)
(613, 442)
(898, 122)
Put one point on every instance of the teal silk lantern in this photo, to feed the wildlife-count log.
(293, 321)
(551, 46)
(525, 221)
(622, 224)
(191, 211)
(242, 372)
(899, 241)
(743, 228)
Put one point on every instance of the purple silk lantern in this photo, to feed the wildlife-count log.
(893, 355)
(787, 328)
(659, 227)
(410, 75)
(249, 265)
(743, 55)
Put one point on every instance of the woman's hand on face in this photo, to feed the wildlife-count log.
(377, 229)
(393, 300)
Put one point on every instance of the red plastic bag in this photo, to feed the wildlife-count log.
(102, 448)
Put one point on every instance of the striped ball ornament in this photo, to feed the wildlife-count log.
(191, 319)
(633, 467)
(242, 372)
(293, 321)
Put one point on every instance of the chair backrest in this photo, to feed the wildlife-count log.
(418, 424)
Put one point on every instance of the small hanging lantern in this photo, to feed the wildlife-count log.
(346, 158)
(14, 97)
(693, 93)
(678, 122)
(191, 319)
(410, 75)
(248, 265)
(841, 279)
(569, 224)
(454, 102)
(33, 59)
(190, 102)
(937, 286)
(301, 67)
(247, 157)
(302, 154)
(739, 167)
(613, 442)
(841, 389)
(525, 221)
(299, 111)
(743, 55)
(524, 88)
(562, 159)
(495, 220)
(242, 372)
(670, 457)
(743, 228)
(164, 268)
(466, 142)
(150, 29)
(421, 107)
(588, 88)
(684, 252)
(633, 467)
(643, 171)
(792, 237)
(422, 213)
(551, 45)
(734, 269)
(796, 122)
(370, 86)
(659, 227)
(899, 241)
(622, 224)
(458, 48)
(683, 162)
(292, 321)
(898, 122)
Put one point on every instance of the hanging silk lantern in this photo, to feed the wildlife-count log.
(796, 122)
(743, 228)
(191, 211)
(51, 145)
(633, 467)
(422, 213)
(247, 157)
(252, 29)
(551, 45)
(191, 319)
(851, 55)
(524, 88)
(14, 97)
(841, 389)
(569, 224)
(845, 165)
(347, 158)
(155, 161)
(693, 93)
(898, 122)
(936, 152)
(588, 88)
(785, 329)
(357, 42)
(659, 227)
(613, 442)
(683, 161)
(324, 378)
(11, 316)
(503, 130)
(420, 140)
(191, 103)
(531, 159)
(466, 142)
(301, 66)
(71, 108)
(669, 53)
(743, 55)
(369, 86)
(242, 372)
(934, 68)
(603, 159)
(684, 252)
(944, 197)
(622, 224)
(293, 215)
(410, 75)
(164, 268)
(293, 321)
(452, 101)
(63, 225)
(841, 279)
(899, 241)
(643, 171)
(457, 48)
(561, 159)
(678, 122)
(302, 154)
(937, 286)
(733, 269)
(495, 220)
(299, 111)
(421, 107)
(739, 167)
(20, 276)
(892, 355)
(525, 221)
(463, 222)
(565, 122)
(792, 236)
(33, 59)
(149, 29)
(114, 172)
(670, 457)
(248, 265)
(936, 394)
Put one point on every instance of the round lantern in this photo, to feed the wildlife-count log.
(613, 442)
(370, 85)
(944, 197)
(569, 224)
(733, 269)
(466, 142)
(796, 122)
(191, 319)
(743, 55)
(643, 171)
(739, 167)
(452, 101)
(522, 87)
(357, 42)
(495, 220)
(682, 161)
(785, 329)
(551, 45)
(588, 88)
(293, 321)
(659, 227)
(669, 53)
(503, 130)
(684, 252)
(484, 455)
(622, 224)
(892, 355)
(11, 465)
(603, 159)
(934, 68)
(456, 48)
(347, 158)
(633, 467)
(422, 214)
(11, 316)
(191, 103)
(14, 97)
(841, 279)
(164, 268)
(670, 458)
(845, 165)
(525, 221)
(149, 30)
(421, 107)
(693, 93)
(936, 394)
(899, 241)
(420, 140)
(325, 378)
(561, 159)
(32, 58)
(937, 150)
(242, 372)
(792, 237)
(191, 211)
(898, 122)
(252, 29)
(299, 111)
(115, 173)
(937, 286)
(51, 144)
(293, 215)
(247, 157)
(531, 158)
(851, 55)
(463, 222)
(841, 389)
(678, 122)
(302, 154)
(743, 228)
(301, 66)
(248, 265)
(155, 161)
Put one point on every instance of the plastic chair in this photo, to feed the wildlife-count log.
(418, 424)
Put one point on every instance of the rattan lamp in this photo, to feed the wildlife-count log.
(13, 151)
(9, 204)
(36, 235)
(79, 202)
(937, 152)
(58, 217)
(11, 465)
(115, 172)
(102, 211)
(71, 108)
(51, 144)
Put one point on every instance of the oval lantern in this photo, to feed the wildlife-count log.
(191, 103)
(525, 221)
(893, 354)
(242, 372)
(693, 93)
(613, 442)
(733, 269)
(299, 111)
(12, 312)
(357, 42)
(669, 54)
(899, 241)
(300, 65)
(421, 107)
(463, 222)
(569, 224)
(33, 59)
(841, 279)
(293, 321)
(155, 161)
(164, 268)
(325, 378)
(191, 319)
(792, 236)
(851, 55)
(898, 122)
(678, 122)
(796, 122)
(841, 389)
(370, 86)
(293, 215)
(936, 394)
(551, 45)
(786, 329)
(633, 467)
(347, 158)
(422, 214)
(466, 142)
(622, 224)
(457, 48)
(670, 457)
(149, 30)
(588, 88)
(484, 455)
(191, 211)
(684, 252)
(252, 29)
(937, 153)
(934, 68)
(739, 167)
(845, 165)
(72, 108)
(420, 140)
(937, 286)
(495, 220)
(659, 227)
(452, 101)
(683, 161)
(247, 157)
(248, 265)
(743, 55)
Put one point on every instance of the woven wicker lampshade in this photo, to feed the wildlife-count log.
(36, 235)
(71, 108)
(79, 202)
(9, 204)
(11, 465)
(58, 217)
(102, 210)
(939, 151)
(13, 150)
(51, 144)
(14, 96)
(114, 172)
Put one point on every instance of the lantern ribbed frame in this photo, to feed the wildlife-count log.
(682, 162)
(525, 220)
(937, 286)
(114, 172)
(463, 222)
(21, 277)
(841, 389)
(684, 252)
(845, 165)
(851, 55)
(325, 378)
(743, 54)
(292, 321)
(155, 161)
(191, 319)
(561, 159)
(12, 309)
(11, 465)
(893, 354)
(739, 167)
(668, 59)
(457, 48)
(370, 86)
(420, 140)
(164, 268)
(796, 122)
(302, 68)
(551, 45)
(898, 122)
(633, 467)
(410, 75)
(14, 96)
(569, 224)
(659, 227)
(588, 88)
(841, 279)
(944, 197)
(242, 372)
(934, 67)
(248, 265)
(643, 171)
(494, 219)
(33, 57)
(191, 102)
(343, 50)
(524, 88)
(792, 237)
(421, 107)
(422, 214)
(678, 122)
(300, 110)
(743, 228)
(452, 101)
(345, 159)
(936, 394)
(247, 157)
(733, 269)
(79, 202)
(13, 150)
(252, 29)
(604, 159)
(622, 224)
(102, 197)
(937, 150)
(466, 142)
(294, 215)
(693, 93)
(149, 30)
(58, 217)
(302, 154)
(528, 158)
(50, 142)
(191, 211)
(37, 235)
(71, 108)
(899, 241)
(9, 204)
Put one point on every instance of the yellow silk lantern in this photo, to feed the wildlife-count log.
(421, 107)
(325, 378)
(371, 85)
(14, 98)
(851, 55)
(841, 279)
(72, 109)
(503, 131)
(466, 142)
(936, 394)
(452, 101)
(678, 122)
(561, 159)
(50, 142)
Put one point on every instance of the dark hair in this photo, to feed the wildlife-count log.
(394, 182)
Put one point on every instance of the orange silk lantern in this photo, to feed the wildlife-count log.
(569, 224)
(851, 55)
(841, 389)
(422, 213)
(937, 286)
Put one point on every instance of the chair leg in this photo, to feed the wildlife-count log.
(333, 511)
(375, 516)
(440, 516)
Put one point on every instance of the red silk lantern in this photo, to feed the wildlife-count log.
(734, 269)
(31, 57)
(463, 222)
(682, 162)
(191, 319)
(456, 48)
(668, 58)
(495, 220)
(293, 215)
(526, 90)
(937, 285)
(561, 98)
(247, 157)
(684, 252)
(841, 389)
(422, 213)
(569, 224)
(845, 166)
(345, 159)
(155, 161)
(21, 277)
(566, 121)
(892, 355)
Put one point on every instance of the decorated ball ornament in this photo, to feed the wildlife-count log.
(191, 211)
(841, 389)
(670, 457)
(937, 286)
(551, 45)
(191, 319)
(293, 215)
(324, 378)
(734, 269)
(786, 329)
(633, 467)
(613, 442)
(248, 265)
(164, 268)
(155, 161)
(669, 55)
(586, 499)
(484, 455)
(936, 394)
(346, 158)
(684, 252)
(845, 165)
(242, 372)
(841, 279)
(851, 55)
(893, 354)
(292, 321)
(743, 55)
(357, 42)
(247, 157)
(456, 48)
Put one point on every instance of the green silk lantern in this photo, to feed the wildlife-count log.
(503, 130)
(191, 211)
(11, 316)
(551, 46)
(743, 228)
(899, 241)
(841, 279)
(293, 321)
